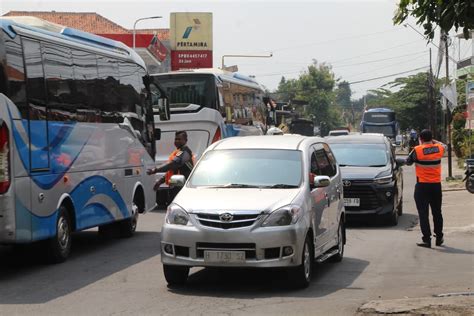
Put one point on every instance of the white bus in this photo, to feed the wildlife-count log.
(76, 135)
(209, 104)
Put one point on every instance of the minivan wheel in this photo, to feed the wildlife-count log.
(301, 276)
(393, 217)
(340, 244)
(400, 207)
(175, 275)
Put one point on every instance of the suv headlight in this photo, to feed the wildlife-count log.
(383, 180)
(283, 216)
(175, 215)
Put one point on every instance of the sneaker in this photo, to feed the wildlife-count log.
(439, 241)
(424, 244)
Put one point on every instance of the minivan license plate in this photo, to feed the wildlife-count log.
(351, 202)
(224, 256)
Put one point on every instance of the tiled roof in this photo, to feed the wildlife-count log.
(85, 21)
(88, 22)
(163, 34)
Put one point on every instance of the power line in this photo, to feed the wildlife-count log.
(334, 40)
(385, 67)
(378, 60)
(388, 76)
(348, 65)
(304, 69)
(375, 52)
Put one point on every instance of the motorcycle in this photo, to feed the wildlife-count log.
(412, 142)
(469, 178)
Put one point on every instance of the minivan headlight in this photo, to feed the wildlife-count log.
(383, 180)
(283, 216)
(175, 215)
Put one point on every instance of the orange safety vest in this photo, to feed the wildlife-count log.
(428, 163)
(169, 173)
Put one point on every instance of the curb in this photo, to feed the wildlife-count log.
(461, 305)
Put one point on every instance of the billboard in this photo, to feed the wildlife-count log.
(191, 40)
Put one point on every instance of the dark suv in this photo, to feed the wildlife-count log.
(372, 179)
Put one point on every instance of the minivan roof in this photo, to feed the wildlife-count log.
(356, 138)
(289, 142)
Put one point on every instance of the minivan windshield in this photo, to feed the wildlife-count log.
(249, 168)
(360, 155)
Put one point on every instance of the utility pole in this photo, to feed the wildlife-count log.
(448, 111)
(431, 108)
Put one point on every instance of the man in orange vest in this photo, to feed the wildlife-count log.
(427, 158)
(179, 162)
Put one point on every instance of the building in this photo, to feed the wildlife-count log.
(153, 45)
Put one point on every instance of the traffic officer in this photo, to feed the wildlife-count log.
(427, 158)
(179, 162)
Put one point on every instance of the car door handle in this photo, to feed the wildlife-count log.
(327, 199)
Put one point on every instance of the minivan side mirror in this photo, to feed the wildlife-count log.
(177, 181)
(318, 181)
(400, 161)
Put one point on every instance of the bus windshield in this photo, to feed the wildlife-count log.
(387, 130)
(183, 90)
(378, 117)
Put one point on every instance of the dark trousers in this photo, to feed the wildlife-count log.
(426, 195)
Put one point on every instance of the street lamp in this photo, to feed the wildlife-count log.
(140, 19)
(248, 56)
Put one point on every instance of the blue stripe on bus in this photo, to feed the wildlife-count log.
(31, 227)
(92, 215)
(231, 131)
(81, 195)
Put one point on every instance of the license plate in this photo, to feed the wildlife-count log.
(224, 256)
(351, 202)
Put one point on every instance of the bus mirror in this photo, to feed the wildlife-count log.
(157, 134)
(163, 108)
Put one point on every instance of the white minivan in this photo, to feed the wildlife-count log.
(256, 201)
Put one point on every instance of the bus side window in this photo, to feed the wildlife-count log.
(35, 79)
(15, 85)
(59, 77)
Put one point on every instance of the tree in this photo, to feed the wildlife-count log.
(443, 13)
(287, 89)
(315, 89)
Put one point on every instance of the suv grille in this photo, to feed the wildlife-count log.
(367, 195)
(249, 248)
(238, 220)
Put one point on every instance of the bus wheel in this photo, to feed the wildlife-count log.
(129, 226)
(59, 246)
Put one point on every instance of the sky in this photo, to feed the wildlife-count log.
(357, 38)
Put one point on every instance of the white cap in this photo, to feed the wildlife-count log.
(274, 131)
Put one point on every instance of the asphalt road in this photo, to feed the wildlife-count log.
(124, 276)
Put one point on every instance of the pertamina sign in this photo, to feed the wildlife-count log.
(191, 40)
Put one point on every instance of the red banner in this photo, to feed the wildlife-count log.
(191, 59)
(157, 49)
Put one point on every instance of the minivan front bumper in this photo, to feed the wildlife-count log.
(264, 247)
(375, 199)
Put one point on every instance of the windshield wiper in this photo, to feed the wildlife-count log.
(232, 185)
(282, 186)
(376, 166)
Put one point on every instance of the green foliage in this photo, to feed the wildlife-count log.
(410, 102)
(443, 13)
(316, 88)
